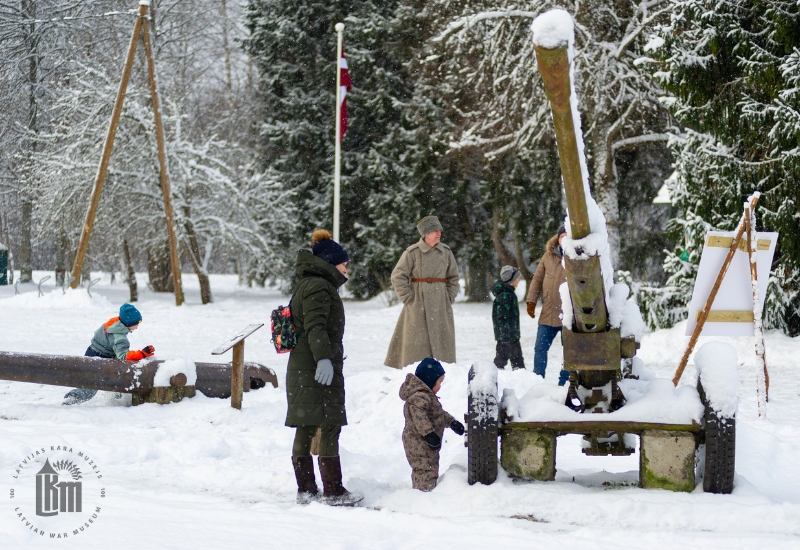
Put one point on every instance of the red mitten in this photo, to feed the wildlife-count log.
(148, 351)
(531, 309)
(134, 356)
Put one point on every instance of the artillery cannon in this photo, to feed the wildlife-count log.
(599, 348)
(95, 373)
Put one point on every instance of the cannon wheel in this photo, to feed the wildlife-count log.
(720, 459)
(481, 437)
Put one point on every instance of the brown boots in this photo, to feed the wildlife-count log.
(307, 490)
(334, 493)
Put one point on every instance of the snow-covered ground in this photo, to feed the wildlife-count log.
(199, 474)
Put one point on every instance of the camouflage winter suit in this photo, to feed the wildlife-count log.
(424, 414)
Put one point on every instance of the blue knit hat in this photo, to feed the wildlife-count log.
(327, 249)
(429, 371)
(129, 315)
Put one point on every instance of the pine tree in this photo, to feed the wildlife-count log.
(732, 68)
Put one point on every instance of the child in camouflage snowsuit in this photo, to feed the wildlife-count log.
(425, 423)
(505, 318)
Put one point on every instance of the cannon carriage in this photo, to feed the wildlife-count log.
(676, 427)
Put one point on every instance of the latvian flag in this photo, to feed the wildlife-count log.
(344, 87)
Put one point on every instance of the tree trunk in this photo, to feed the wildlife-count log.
(159, 272)
(478, 287)
(129, 272)
(25, 265)
(605, 190)
(26, 247)
(503, 254)
(62, 259)
(196, 258)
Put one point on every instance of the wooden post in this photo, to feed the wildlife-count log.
(762, 385)
(237, 365)
(174, 258)
(712, 295)
(237, 375)
(100, 178)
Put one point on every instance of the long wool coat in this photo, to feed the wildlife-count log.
(425, 327)
(548, 277)
(318, 314)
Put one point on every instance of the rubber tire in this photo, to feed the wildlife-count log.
(481, 438)
(720, 460)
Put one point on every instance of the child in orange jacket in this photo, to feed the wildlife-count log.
(110, 341)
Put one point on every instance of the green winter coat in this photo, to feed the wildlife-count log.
(111, 339)
(505, 312)
(318, 314)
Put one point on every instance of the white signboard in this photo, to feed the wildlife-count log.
(731, 313)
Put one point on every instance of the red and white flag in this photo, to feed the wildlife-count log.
(344, 87)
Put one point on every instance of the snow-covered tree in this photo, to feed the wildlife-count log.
(732, 69)
(484, 58)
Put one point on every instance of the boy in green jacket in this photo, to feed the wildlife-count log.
(110, 341)
(505, 318)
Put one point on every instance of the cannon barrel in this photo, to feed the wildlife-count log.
(95, 373)
(584, 276)
(554, 68)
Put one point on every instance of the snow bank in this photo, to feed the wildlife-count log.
(653, 400)
(716, 364)
(171, 367)
(56, 299)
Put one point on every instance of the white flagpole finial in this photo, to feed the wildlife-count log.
(339, 27)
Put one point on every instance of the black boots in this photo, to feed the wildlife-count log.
(307, 490)
(334, 493)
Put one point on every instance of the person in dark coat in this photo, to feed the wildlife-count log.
(505, 319)
(314, 377)
(425, 423)
(549, 276)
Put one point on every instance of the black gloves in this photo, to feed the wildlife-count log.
(457, 427)
(433, 440)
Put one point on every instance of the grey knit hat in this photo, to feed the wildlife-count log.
(428, 224)
(509, 274)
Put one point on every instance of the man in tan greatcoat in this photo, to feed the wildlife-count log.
(426, 281)
(548, 277)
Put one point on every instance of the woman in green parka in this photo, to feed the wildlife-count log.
(315, 378)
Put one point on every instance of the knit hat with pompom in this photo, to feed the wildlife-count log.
(325, 248)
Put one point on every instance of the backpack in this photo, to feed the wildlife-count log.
(284, 333)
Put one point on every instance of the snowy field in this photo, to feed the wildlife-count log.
(199, 474)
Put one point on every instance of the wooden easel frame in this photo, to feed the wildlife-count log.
(745, 227)
(141, 26)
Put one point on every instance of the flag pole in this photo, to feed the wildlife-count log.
(338, 149)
